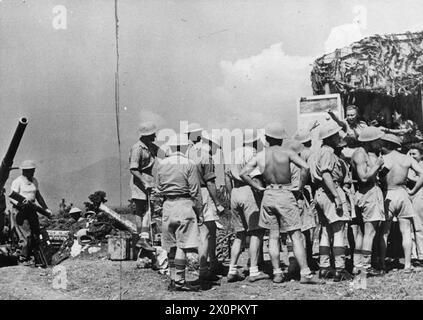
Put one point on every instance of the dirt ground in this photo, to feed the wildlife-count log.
(95, 277)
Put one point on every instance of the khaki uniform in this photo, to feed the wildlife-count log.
(397, 200)
(199, 154)
(327, 161)
(398, 203)
(142, 159)
(178, 182)
(244, 205)
(279, 209)
(307, 212)
(369, 202)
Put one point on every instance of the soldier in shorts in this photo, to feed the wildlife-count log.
(416, 152)
(329, 173)
(202, 147)
(245, 213)
(307, 213)
(397, 198)
(279, 209)
(366, 163)
(178, 182)
(141, 162)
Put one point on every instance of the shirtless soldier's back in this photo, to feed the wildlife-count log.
(280, 211)
(397, 200)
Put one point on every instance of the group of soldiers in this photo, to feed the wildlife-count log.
(357, 179)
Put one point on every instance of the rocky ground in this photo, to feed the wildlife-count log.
(95, 277)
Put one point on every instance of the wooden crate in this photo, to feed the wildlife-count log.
(119, 248)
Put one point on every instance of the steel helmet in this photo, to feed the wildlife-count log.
(329, 129)
(178, 140)
(193, 127)
(213, 138)
(302, 136)
(75, 210)
(276, 131)
(147, 128)
(370, 134)
(391, 138)
(28, 164)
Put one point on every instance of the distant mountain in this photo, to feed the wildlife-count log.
(76, 186)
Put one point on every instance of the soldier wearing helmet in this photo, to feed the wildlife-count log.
(279, 208)
(328, 173)
(177, 180)
(369, 207)
(25, 218)
(141, 162)
(397, 198)
(245, 207)
(202, 146)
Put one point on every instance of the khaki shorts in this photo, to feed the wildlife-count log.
(307, 214)
(209, 208)
(326, 207)
(179, 227)
(280, 211)
(370, 205)
(245, 211)
(398, 204)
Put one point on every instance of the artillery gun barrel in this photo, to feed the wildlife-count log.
(7, 162)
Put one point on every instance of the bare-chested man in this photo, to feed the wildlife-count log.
(279, 209)
(397, 201)
(366, 163)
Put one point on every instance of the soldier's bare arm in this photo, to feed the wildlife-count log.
(340, 123)
(40, 199)
(228, 183)
(244, 174)
(296, 159)
(363, 172)
(305, 168)
(419, 171)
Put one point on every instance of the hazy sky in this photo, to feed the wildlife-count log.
(221, 63)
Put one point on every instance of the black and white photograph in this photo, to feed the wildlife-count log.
(231, 151)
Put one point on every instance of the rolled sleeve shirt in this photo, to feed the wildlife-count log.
(141, 159)
(177, 175)
(199, 154)
(328, 161)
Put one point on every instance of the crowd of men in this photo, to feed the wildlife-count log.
(355, 179)
(358, 179)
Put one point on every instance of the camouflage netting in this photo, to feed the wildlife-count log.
(390, 65)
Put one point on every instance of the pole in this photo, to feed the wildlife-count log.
(117, 99)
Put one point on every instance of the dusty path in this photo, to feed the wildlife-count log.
(104, 279)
